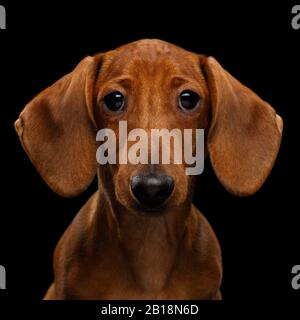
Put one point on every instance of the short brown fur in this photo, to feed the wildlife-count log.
(112, 249)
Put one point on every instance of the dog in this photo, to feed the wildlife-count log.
(139, 236)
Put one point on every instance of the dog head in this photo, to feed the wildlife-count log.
(150, 84)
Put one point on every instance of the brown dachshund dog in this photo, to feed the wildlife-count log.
(139, 236)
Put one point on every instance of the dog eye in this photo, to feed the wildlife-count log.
(189, 100)
(114, 101)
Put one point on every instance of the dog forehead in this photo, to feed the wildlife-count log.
(150, 55)
(151, 48)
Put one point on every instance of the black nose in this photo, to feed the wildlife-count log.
(151, 190)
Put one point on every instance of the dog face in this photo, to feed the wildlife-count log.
(143, 83)
(150, 84)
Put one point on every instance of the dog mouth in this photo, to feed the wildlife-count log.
(150, 211)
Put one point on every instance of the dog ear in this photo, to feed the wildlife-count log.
(244, 135)
(58, 133)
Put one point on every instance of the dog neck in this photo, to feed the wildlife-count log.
(149, 244)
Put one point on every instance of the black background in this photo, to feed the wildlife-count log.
(259, 235)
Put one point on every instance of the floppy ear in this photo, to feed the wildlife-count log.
(245, 132)
(56, 130)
